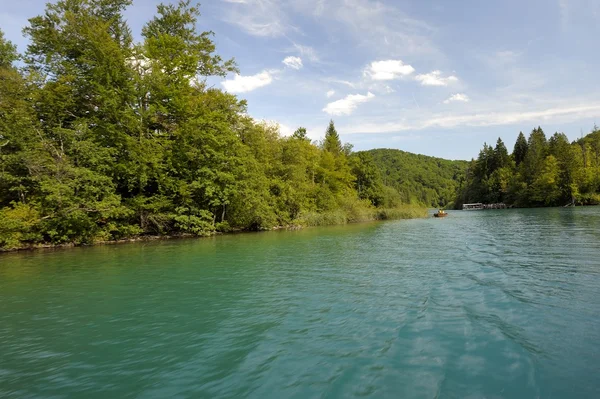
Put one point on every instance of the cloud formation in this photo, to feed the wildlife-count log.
(484, 119)
(388, 70)
(244, 84)
(435, 78)
(258, 17)
(293, 62)
(348, 104)
(330, 93)
(307, 51)
(461, 97)
(340, 81)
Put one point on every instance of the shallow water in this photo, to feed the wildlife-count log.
(496, 304)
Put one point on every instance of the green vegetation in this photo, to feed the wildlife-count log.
(540, 172)
(103, 138)
(420, 179)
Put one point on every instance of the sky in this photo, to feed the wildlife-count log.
(434, 77)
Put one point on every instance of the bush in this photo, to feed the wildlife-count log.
(223, 227)
(19, 225)
(75, 227)
(194, 221)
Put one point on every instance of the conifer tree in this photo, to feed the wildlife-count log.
(332, 142)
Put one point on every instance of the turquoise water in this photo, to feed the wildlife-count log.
(495, 304)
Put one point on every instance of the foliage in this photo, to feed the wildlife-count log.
(104, 138)
(8, 52)
(540, 172)
(415, 179)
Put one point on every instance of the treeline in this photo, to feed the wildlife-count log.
(104, 138)
(420, 179)
(539, 172)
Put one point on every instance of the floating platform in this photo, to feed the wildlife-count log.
(479, 206)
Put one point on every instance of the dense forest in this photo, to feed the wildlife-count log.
(539, 172)
(420, 179)
(105, 138)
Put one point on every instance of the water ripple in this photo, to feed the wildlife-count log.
(483, 304)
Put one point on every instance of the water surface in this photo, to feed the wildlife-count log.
(496, 304)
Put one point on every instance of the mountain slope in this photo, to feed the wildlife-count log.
(419, 178)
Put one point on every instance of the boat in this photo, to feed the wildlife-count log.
(473, 207)
(440, 214)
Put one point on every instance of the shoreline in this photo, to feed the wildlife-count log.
(150, 238)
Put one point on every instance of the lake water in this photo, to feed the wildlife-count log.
(494, 304)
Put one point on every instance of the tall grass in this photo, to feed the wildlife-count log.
(402, 212)
(355, 211)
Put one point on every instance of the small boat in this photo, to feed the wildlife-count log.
(440, 214)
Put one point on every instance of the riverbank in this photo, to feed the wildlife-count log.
(308, 220)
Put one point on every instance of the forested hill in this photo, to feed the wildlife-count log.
(420, 178)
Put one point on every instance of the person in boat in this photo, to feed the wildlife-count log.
(441, 211)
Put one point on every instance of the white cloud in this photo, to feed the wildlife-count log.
(388, 70)
(274, 125)
(435, 78)
(330, 93)
(564, 113)
(381, 28)
(293, 62)
(347, 105)
(243, 84)
(258, 17)
(457, 97)
(285, 130)
(339, 81)
(306, 51)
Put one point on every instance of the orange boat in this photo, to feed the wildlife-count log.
(440, 214)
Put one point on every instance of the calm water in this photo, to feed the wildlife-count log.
(495, 304)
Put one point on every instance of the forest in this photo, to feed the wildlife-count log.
(420, 179)
(104, 138)
(539, 172)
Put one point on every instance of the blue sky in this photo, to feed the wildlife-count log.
(430, 76)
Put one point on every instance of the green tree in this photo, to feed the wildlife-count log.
(8, 52)
(501, 159)
(300, 134)
(565, 154)
(332, 142)
(537, 150)
(368, 181)
(545, 189)
(520, 149)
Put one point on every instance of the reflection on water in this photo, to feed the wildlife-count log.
(480, 304)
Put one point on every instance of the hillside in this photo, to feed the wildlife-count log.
(420, 178)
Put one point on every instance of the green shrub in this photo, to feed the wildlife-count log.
(19, 225)
(194, 221)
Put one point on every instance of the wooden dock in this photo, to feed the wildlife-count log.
(480, 206)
